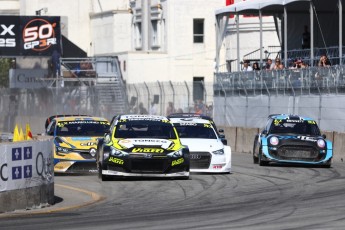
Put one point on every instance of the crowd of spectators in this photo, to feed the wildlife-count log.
(277, 64)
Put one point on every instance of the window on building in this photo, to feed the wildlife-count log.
(155, 34)
(198, 30)
(138, 36)
(198, 88)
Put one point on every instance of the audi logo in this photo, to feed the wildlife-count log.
(195, 156)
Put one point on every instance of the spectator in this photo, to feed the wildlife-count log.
(199, 107)
(142, 109)
(281, 66)
(324, 61)
(306, 38)
(269, 65)
(56, 63)
(170, 109)
(256, 66)
(277, 64)
(246, 66)
(153, 109)
(179, 110)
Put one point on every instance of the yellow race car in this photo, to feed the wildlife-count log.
(75, 141)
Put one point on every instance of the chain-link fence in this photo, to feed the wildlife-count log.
(155, 97)
(245, 99)
(34, 106)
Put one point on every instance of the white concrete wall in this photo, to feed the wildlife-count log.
(9, 7)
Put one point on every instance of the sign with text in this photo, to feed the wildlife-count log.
(29, 35)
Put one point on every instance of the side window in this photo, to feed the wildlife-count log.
(268, 125)
(50, 128)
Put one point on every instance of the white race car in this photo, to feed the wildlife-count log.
(208, 150)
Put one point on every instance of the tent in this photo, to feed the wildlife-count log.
(324, 19)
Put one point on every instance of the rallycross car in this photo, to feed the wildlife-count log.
(75, 142)
(142, 145)
(209, 151)
(292, 139)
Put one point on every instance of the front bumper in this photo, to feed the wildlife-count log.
(302, 157)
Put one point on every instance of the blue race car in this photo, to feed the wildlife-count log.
(292, 139)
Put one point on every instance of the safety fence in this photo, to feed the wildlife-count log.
(34, 106)
(246, 99)
(162, 98)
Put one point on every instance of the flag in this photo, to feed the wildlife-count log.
(28, 132)
(21, 134)
(16, 134)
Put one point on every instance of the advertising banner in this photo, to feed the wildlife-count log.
(25, 164)
(29, 35)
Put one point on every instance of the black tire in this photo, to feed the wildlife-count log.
(255, 158)
(327, 166)
(261, 162)
(100, 175)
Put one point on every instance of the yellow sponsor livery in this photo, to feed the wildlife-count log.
(177, 162)
(147, 150)
(75, 141)
(116, 160)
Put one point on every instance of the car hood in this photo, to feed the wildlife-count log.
(77, 142)
(202, 144)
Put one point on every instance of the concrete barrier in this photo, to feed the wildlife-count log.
(26, 174)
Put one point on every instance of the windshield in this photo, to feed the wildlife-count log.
(195, 131)
(295, 127)
(82, 128)
(145, 129)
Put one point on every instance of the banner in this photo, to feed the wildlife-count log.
(29, 35)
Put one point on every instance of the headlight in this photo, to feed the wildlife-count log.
(219, 152)
(321, 143)
(62, 150)
(116, 152)
(274, 140)
(176, 153)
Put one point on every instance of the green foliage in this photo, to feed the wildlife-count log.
(5, 64)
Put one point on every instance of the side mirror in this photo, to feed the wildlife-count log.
(107, 138)
(324, 136)
(264, 132)
(224, 141)
(185, 150)
(221, 136)
(50, 132)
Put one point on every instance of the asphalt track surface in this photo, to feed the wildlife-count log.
(251, 197)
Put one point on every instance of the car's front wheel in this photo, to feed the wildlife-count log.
(260, 161)
(255, 150)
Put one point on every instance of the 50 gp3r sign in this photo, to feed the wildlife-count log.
(29, 35)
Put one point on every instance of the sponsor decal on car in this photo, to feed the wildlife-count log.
(147, 150)
(177, 162)
(116, 160)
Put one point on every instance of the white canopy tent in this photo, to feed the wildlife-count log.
(281, 8)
